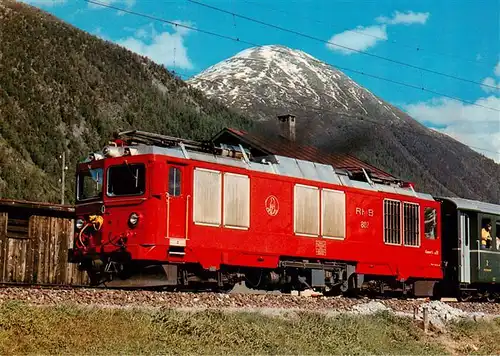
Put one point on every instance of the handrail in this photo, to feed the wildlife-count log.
(478, 255)
(167, 195)
(187, 215)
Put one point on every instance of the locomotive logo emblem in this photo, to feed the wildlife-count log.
(272, 205)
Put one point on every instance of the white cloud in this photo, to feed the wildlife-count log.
(128, 3)
(491, 82)
(44, 2)
(98, 32)
(408, 18)
(141, 33)
(469, 124)
(360, 38)
(180, 29)
(167, 48)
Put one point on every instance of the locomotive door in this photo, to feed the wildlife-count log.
(177, 205)
(464, 248)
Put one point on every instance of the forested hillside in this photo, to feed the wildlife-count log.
(63, 90)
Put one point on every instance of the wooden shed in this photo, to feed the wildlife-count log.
(34, 242)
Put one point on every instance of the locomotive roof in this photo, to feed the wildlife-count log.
(474, 205)
(276, 164)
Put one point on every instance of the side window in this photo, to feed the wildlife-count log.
(174, 181)
(333, 209)
(498, 235)
(430, 223)
(236, 201)
(411, 227)
(486, 234)
(306, 210)
(392, 222)
(207, 195)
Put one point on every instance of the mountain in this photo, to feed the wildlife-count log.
(63, 90)
(336, 114)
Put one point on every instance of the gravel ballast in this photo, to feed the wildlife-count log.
(182, 300)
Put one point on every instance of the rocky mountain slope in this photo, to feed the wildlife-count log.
(335, 113)
(62, 89)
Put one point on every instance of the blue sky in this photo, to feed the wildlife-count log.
(457, 37)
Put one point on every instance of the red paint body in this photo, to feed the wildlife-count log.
(270, 236)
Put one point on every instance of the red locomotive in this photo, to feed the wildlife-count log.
(155, 210)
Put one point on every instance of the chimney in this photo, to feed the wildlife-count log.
(287, 126)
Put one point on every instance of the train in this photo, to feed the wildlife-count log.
(155, 211)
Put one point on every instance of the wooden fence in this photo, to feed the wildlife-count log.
(34, 242)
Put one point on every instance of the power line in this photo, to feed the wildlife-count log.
(301, 34)
(169, 22)
(401, 44)
(358, 116)
(324, 63)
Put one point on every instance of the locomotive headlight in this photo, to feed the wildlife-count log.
(133, 219)
(79, 223)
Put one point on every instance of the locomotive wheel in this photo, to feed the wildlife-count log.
(491, 298)
(464, 296)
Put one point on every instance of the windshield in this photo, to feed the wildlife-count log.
(126, 179)
(90, 184)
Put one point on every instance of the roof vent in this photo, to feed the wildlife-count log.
(287, 126)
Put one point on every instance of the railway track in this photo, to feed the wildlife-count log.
(238, 298)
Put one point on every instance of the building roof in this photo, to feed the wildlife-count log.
(37, 208)
(283, 147)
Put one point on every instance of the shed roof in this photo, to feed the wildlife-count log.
(37, 208)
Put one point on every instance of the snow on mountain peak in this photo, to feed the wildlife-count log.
(278, 76)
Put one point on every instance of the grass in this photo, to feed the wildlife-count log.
(67, 329)
(471, 337)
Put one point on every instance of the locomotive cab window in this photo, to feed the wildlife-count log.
(430, 223)
(126, 179)
(174, 181)
(89, 184)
